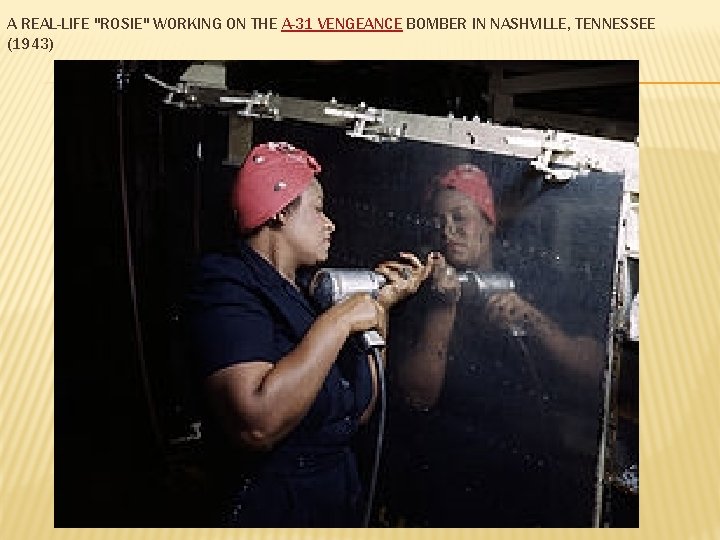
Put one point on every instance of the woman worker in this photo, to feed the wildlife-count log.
(286, 389)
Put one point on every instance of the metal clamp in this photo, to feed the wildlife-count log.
(368, 122)
(256, 105)
(191, 94)
(552, 150)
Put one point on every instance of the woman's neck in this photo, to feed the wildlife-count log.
(484, 262)
(273, 250)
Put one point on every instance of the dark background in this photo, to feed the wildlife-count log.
(135, 205)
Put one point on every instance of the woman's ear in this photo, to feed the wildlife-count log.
(278, 220)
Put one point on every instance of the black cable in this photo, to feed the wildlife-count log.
(197, 190)
(380, 436)
(154, 423)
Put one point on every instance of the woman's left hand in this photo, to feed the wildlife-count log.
(505, 309)
(510, 310)
(404, 278)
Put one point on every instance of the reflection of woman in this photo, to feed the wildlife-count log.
(286, 388)
(473, 367)
(464, 213)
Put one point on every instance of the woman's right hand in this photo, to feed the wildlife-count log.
(404, 278)
(444, 284)
(360, 312)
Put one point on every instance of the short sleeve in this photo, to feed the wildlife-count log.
(228, 324)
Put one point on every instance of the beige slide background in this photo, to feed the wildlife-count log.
(680, 160)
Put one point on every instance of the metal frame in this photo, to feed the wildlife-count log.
(556, 149)
(559, 156)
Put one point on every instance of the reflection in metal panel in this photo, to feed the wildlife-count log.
(496, 402)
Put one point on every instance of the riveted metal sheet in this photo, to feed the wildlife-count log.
(515, 436)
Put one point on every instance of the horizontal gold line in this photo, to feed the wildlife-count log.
(679, 82)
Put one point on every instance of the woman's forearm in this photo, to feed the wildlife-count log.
(581, 354)
(261, 402)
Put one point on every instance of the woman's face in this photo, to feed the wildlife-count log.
(307, 228)
(465, 235)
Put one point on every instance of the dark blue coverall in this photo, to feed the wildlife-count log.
(241, 309)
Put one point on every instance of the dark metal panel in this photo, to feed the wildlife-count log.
(514, 439)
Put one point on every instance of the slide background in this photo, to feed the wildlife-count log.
(680, 155)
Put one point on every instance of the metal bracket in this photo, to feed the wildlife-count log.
(191, 95)
(256, 105)
(551, 150)
(368, 122)
(558, 150)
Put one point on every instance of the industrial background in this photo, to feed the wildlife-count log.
(140, 192)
